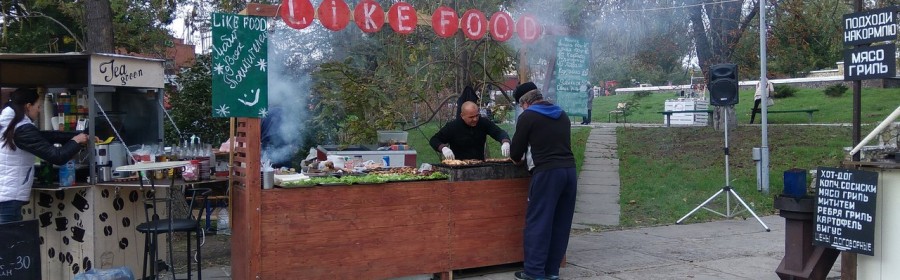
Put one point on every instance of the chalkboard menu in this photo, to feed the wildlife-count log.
(845, 210)
(572, 85)
(240, 64)
(20, 250)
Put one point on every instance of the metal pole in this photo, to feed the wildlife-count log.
(764, 86)
(857, 100)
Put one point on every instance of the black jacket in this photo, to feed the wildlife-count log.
(546, 128)
(40, 144)
(467, 142)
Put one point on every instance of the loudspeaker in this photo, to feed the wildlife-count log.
(723, 84)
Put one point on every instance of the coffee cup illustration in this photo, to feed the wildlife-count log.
(45, 200)
(62, 223)
(45, 219)
(80, 203)
(78, 234)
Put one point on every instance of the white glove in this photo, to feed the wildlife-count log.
(448, 154)
(504, 149)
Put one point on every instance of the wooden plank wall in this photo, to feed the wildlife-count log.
(245, 239)
(488, 222)
(348, 232)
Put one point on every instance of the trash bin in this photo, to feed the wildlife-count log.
(795, 183)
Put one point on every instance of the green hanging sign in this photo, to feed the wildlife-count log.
(572, 85)
(239, 66)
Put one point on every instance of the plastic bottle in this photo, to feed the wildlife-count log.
(67, 174)
(223, 224)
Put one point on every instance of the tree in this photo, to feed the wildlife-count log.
(61, 26)
(802, 36)
(645, 40)
(717, 28)
(193, 104)
(378, 81)
(98, 26)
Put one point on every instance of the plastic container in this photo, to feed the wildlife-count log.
(115, 273)
(795, 183)
(391, 137)
(67, 174)
(191, 171)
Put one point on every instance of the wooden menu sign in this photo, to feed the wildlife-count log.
(845, 210)
(20, 250)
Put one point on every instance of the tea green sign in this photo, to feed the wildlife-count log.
(572, 85)
(239, 65)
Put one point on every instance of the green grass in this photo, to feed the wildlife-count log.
(666, 172)
(418, 139)
(876, 104)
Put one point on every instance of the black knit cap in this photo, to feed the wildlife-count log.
(523, 89)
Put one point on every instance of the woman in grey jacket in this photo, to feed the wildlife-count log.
(20, 142)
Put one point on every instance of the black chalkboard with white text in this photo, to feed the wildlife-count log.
(20, 250)
(845, 210)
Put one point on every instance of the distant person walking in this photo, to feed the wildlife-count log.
(545, 128)
(757, 97)
(590, 104)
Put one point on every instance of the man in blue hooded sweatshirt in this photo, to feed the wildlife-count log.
(546, 129)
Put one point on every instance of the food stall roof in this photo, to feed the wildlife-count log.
(79, 70)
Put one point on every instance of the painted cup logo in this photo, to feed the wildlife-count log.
(112, 72)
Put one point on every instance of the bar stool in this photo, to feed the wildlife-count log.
(156, 225)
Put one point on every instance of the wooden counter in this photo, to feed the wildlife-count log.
(388, 230)
(368, 231)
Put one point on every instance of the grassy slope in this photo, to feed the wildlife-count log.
(667, 172)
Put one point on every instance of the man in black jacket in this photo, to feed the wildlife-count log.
(463, 138)
(546, 129)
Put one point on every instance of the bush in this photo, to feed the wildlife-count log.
(835, 90)
(642, 94)
(784, 91)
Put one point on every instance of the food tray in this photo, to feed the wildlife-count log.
(465, 166)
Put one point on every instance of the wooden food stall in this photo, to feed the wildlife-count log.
(376, 231)
(91, 224)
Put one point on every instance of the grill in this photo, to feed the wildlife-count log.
(483, 171)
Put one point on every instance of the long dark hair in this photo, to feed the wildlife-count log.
(17, 101)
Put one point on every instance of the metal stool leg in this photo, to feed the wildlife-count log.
(199, 255)
(146, 256)
(188, 249)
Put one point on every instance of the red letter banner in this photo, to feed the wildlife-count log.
(444, 21)
(369, 16)
(297, 14)
(402, 17)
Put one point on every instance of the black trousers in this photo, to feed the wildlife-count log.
(586, 119)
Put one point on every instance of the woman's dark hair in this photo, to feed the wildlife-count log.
(17, 101)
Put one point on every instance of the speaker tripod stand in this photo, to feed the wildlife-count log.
(728, 191)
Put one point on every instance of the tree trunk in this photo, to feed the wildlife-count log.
(719, 114)
(99, 27)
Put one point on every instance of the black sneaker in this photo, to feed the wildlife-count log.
(520, 275)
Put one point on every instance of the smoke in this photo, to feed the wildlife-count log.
(292, 55)
(622, 34)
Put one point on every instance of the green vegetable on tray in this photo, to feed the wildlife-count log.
(363, 180)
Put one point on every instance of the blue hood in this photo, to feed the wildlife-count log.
(550, 110)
